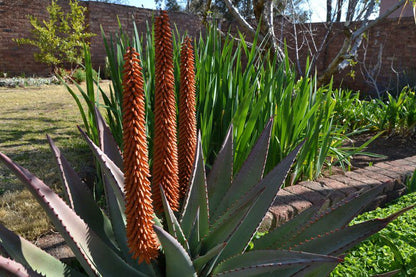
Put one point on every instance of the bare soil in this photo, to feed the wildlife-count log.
(392, 147)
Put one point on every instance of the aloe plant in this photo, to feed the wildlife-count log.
(209, 236)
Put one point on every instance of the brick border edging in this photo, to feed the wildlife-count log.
(294, 199)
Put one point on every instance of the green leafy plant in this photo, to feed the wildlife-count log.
(390, 250)
(59, 40)
(245, 94)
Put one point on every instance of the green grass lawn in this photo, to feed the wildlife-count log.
(26, 116)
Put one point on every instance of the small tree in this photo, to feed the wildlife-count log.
(59, 40)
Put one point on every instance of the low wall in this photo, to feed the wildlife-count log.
(392, 43)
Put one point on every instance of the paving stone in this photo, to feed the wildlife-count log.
(305, 193)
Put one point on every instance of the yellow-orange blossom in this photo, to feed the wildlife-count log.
(141, 237)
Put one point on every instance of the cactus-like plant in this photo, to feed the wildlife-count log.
(208, 237)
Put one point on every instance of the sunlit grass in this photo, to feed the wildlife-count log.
(26, 116)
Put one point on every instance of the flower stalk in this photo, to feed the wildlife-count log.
(187, 118)
(142, 239)
(165, 154)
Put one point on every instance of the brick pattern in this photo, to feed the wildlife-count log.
(292, 200)
(398, 40)
(14, 23)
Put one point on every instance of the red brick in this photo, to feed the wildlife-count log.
(305, 193)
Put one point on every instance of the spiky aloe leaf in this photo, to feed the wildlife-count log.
(114, 192)
(220, 176)
(279, 235)
(178, 262)
(225, 227)
(172, 223)
(250, 173)
(255, 263)
(196, 198)
(271, 185)
(111, 170)
(93, 254)
(340, 240)
(334, 218)
(31, 256)
(107, 142)
(201, 261)
(9, 267)
(81, 199)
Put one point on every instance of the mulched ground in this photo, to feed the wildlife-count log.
(393, 147)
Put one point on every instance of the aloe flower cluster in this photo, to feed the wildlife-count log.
(139, 206)
(139, 209)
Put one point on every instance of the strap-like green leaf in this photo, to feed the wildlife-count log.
(220, 176)
(93, 254)
(197, 197)
(258, 262)
(178, 262)
(30, 256)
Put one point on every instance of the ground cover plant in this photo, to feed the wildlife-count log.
(391, 249)
(219, 213)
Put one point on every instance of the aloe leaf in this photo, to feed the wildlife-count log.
(31, 256)
(271, 185)
(9, 267)
(203, 260)
(225, 227)
(81, 199)
(114, 174)
(279, 235)
(334, 218)
(172, 223)
(107, 142)
(258, 262)
(220, 176)
(178, 262)
(340, 240)
(93, 254)
(113, 180)
(197, 197)
(250, 173)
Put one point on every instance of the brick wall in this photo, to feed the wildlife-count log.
(398, 40)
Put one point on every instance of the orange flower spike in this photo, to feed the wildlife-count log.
(187, 118)
(165, 153)
(142, 239)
